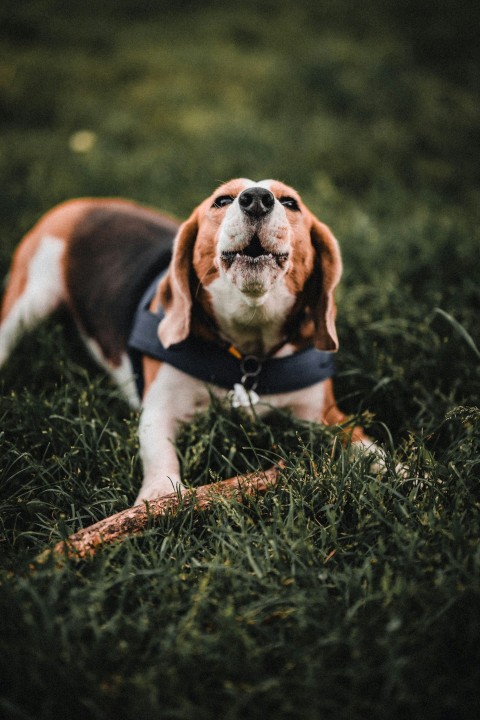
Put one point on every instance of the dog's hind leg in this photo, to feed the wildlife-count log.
(35, 288)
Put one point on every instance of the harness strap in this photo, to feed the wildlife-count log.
(218, 365)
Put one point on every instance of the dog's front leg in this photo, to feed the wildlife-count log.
(171, 397)
(317, 404)
(161, 468)
(353, 435)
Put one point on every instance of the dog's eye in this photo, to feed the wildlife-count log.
(290, 203)
(223, 201)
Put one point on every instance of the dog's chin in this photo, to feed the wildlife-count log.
(253, 276)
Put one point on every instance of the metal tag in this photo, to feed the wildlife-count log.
(241, 397)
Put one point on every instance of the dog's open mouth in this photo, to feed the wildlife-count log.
(253, 254)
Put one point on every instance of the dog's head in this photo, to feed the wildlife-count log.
(252, 237)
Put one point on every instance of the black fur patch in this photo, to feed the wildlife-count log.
(113, 255)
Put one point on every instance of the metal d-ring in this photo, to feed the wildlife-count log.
(251, 367)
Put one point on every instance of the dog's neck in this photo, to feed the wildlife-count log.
(252, 325)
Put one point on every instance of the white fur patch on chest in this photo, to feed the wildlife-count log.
(254, 325)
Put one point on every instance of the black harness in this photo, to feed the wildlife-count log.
(219, 365)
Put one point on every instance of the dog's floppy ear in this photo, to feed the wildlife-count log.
(173, 293)
(327, 273)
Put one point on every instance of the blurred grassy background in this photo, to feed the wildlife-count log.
(371, 110)
(372, 103)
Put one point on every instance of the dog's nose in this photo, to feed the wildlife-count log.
(256, 202)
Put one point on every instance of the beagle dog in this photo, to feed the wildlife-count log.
(238, 300)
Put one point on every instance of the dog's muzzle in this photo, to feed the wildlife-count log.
(254, 254)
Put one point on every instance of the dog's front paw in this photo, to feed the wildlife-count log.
(156, 489)
(377, 457)
(376, 454)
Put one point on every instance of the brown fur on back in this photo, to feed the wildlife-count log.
(112, 255)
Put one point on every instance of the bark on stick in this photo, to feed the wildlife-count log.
(134, 520)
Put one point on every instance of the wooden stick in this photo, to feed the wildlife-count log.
(133, 520)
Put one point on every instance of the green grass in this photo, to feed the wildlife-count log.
(338, 594)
